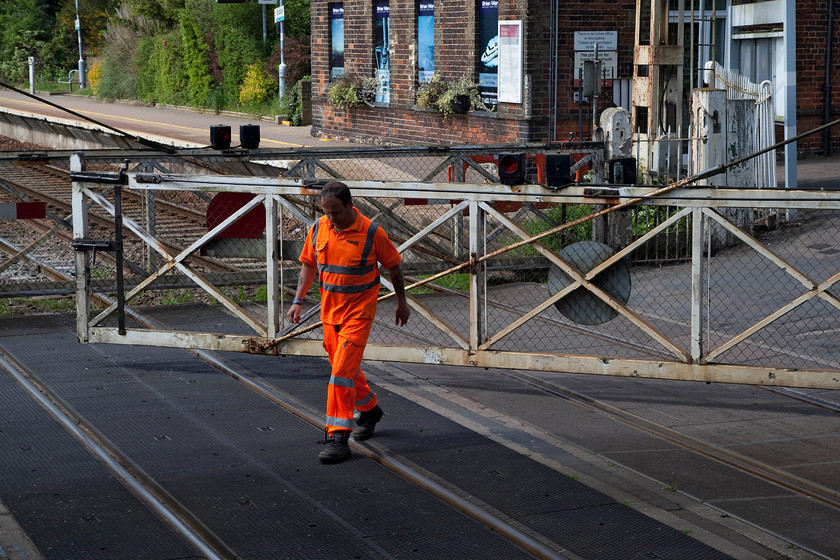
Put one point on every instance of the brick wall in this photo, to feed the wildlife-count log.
(811, 47)
(455, 53)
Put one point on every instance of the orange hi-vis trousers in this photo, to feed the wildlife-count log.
(348, 389)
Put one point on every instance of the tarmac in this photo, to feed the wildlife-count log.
(590, 445)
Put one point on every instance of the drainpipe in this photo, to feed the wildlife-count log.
(829, 47)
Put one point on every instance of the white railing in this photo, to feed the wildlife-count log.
(740, 87)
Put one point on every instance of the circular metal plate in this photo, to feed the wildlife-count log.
(582, 306)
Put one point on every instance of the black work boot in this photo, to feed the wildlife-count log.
(366, 423)
(336, 449)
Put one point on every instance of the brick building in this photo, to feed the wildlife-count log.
(367, 37)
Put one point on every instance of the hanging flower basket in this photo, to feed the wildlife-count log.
(461, 104)
(449, 97)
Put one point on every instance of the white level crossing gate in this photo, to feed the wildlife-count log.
(497, 276)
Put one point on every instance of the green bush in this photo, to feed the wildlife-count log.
(161, 73)
(196, 58)
(257, 87)
(237, 44)
(292, 103)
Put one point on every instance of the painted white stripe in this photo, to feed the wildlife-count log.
(8, 211)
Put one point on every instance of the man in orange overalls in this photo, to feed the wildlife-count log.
(344, 249)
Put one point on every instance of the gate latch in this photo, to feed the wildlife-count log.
(94, 245)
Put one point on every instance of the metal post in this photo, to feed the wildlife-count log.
(281, 71)
(32, 75)
(81, 59)
(265, 29)
(789, 32)
(696, 284)
(274, 309)
(118, 244)
(596, 91)
(80, 231)
(476, 278)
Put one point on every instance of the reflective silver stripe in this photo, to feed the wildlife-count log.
(341, 381)
(340, 422)
(315, 236)
(368, 242)
(365, 400)
(349, 270)
(338, 288)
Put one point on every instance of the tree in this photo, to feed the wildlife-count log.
(24, 26)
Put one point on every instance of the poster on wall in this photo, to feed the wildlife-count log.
(488, 58)
(425, 40)
(510, 61)
(381, 50)
(337, 40)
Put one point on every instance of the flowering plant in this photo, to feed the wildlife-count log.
(448, 97)
(257, 87)
(352, 90)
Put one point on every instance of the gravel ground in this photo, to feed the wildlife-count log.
(11, 145)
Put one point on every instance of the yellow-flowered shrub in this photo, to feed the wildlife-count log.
(257, 87)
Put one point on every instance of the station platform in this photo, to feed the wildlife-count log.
(246, 467)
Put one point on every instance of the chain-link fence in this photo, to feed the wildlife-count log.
(498, 275)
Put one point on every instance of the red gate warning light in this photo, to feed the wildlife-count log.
(512, 168)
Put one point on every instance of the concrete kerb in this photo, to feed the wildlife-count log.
(14, 544)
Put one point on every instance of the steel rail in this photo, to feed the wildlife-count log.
(129, 473)
(53, 197)
(799, 485)
(539, 547)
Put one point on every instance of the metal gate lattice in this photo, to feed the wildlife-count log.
(479, 257)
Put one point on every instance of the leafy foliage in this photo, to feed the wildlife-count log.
(292, 103)
(122, 37)
(439, 94)
(196, 60)
(94, 75)
(257, 86)
(351, 91)
(297, 57)
(162, 77)
(165, 51)
(25, 27)
(237, 46)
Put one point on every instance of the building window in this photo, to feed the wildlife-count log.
(381, 50)
(336, 40)
(425, 40)
(488, 52)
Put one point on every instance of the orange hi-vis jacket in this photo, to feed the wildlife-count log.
(348, 274)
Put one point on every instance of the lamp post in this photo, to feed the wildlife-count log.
(81, 60)
(279, 18)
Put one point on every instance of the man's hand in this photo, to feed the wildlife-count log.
(294, 313)
(307, 274)
(398, 281)
(403, 312)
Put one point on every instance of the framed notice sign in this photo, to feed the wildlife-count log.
(510, 61)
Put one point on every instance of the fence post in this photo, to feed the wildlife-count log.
(80, 231)
(272, 279)
(477, 277)
(696, 284)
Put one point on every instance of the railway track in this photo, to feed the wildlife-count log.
(191, 527)
(42, 248)
(189, 524)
